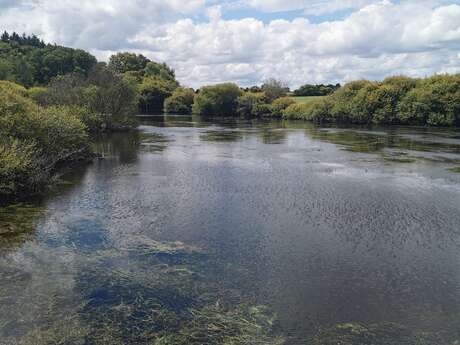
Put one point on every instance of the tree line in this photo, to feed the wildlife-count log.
(28, 61)
(398, 100)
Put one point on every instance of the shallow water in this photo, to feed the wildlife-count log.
(319, 225)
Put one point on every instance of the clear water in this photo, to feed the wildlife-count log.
(191, 219)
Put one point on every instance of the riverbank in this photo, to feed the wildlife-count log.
(433, 101)
(37, 141)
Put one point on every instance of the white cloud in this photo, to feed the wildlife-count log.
(310, 7)
(380, 38)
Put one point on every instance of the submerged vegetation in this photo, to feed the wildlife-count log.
(385, 333)
(160, 293)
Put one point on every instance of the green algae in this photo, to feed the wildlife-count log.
(214, 325)
(455, 170)
(17, 225)
(145, 292)
(396, 159)
(384, 333)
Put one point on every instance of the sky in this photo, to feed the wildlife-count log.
(249, 41)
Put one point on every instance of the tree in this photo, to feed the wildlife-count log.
(219, 100)
(5, 70)
(152, 94)
(34, 63)
(160, 71)
(250, 104)
(124, 62)
(180, 102)
(316, 90)
(24, 73)
(5, 37)
(274, 89)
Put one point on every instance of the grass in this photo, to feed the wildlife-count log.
(305, 99)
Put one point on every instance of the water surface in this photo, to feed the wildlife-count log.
(291, 227)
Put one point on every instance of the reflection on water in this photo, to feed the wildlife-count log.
(229, 231)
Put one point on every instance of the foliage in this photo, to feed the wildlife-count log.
(153, 93)
(33, 140)
(251, 104)
(274, 89)
(180, 102)
(38, 94)
(155, 81)
(219, 100)
(435, 101)
(18, 162)
(281, 104)
(109, 100)
(160, 71)
(316, 110)
(316, 90)
(127, 62)
(28, 61)
(432, 101)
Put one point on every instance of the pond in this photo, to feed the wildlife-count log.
(195, 231)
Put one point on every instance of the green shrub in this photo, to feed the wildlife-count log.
(262, 110)
(341, 110)
(34, 140)
(281, 104)
(251, 104)
(317, 110)
(432, 101)
(219, 100)
(389, 94)
(19, 167)
(110, 100)
(180, 102)
(13, 99)
(59, 133)
(38, 94)
(435, 101)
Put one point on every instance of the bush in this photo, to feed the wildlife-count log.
(109, 100)
(389, 94)
(180, 102)
(38, 94)
(34, 140)
(251, 104)
(316, 110)
(18, 167)
(433, 101)
(261, 110)
(13, 99)
(219, 100)
(281, 104)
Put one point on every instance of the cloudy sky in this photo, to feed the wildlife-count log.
(247, 41)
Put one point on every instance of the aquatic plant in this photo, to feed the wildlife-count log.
(143, 292)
